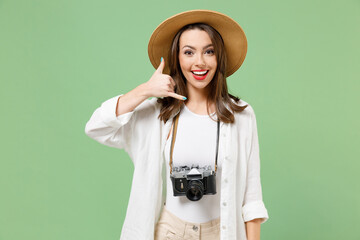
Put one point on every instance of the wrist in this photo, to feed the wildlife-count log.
(143, 90)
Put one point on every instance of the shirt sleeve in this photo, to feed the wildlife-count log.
(107, 128)
(253, 206)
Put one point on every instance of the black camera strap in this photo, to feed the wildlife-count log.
(175, 123)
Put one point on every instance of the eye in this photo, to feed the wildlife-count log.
(188, 52)
(210, 51)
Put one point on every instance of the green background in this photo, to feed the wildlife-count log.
(59, 60)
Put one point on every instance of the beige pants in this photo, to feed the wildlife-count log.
(170, 227)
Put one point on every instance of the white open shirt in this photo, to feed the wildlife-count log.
(143, 136)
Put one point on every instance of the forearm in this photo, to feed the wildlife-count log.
(129, 101)
(253, 229)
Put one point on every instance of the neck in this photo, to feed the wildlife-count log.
(197, 100)
(197, 96)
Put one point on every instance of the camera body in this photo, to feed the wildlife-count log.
(193, 182)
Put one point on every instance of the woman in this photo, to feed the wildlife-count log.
(218, 194)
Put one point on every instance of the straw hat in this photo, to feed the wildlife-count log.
(233, 35)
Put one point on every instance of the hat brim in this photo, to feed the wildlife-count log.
(233, 35)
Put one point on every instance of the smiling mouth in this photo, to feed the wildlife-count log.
(200, 73)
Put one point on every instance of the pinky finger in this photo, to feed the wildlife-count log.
(175, 95)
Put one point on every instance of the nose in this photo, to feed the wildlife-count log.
(200, 62)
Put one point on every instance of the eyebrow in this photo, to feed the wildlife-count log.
(209, 45)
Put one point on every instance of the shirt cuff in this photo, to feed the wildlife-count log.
(108, 113)
(254, 210)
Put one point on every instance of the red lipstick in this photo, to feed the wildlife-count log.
(200, 77)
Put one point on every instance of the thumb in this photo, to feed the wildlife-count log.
(161, 65)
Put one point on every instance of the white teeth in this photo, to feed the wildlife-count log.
(200, 73)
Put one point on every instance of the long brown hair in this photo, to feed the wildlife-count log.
(218, 91)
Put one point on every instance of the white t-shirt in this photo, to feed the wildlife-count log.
(195, 144)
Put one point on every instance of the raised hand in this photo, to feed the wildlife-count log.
(162, 85)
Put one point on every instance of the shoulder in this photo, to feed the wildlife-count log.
(246, 119)
(153, 101)
(248, 111)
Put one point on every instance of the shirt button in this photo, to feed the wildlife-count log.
(227, 157)
(224, 135)
(225, 180)
(224, 204)
(224, 227)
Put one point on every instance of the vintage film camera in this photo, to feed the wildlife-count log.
(193, 182)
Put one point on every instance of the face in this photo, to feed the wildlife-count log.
(197, 59)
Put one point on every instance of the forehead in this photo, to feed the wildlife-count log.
(194, 37)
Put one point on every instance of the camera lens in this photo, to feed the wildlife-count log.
(195, 190)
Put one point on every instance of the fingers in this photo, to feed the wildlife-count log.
(175, 95)
(161, 65)
(171, 92)
(172, 82)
